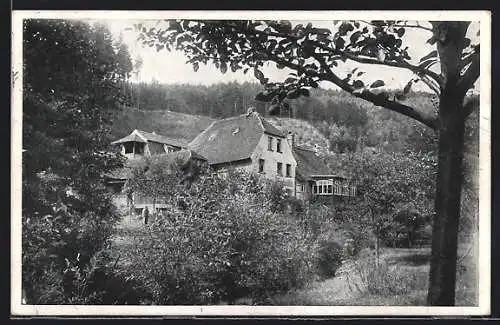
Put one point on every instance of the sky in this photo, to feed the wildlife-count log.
(171, 68)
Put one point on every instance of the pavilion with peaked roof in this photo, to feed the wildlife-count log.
(141, 143)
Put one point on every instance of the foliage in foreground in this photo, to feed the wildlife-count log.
(317, 54)
(72, 73)
(223, 238)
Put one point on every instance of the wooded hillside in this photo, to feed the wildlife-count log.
(346, 122)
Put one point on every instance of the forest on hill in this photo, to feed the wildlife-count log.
(349, 123)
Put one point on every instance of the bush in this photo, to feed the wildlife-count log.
(226, 243)
(62, 249)
(330, 256)
(387, 280)
(67, 213)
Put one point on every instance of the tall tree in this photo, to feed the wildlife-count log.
(315, 54)
(72, 82)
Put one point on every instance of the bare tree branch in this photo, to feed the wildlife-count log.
(354, 57)
(430, 83)
(401, 64)
(471, 74)
(405, 25)
(376, 99)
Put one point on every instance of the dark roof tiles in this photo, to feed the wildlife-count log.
(308, 163)
(232, 139)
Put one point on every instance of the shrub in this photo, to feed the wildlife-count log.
(387, 280)
(60, 249)
(330, 256)
(67, 215)
(226, 243)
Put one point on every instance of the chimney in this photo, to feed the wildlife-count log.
(290, 138)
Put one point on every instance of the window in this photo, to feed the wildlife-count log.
(270, 143)
(337, 190)
(279, 168)
(288, 170)
(278, 145)
(323, 187)
(300, 188)
(261, 165)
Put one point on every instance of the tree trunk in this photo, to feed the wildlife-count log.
(450, 37)
(442, 277)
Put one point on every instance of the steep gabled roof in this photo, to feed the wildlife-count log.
(233, 138)
(143, 136)
(309, 164)
(181, 143)
(132, 137)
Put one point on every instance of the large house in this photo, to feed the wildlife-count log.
(246, 142)
(251, 143)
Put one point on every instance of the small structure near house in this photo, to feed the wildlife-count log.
(135, 202)
(141, 143)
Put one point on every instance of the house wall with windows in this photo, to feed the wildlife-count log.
(273, 158)
(302, 189)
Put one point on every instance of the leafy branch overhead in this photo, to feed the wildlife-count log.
(311, 54)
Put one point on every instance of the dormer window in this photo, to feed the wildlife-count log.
(278, 145)
(270, 143)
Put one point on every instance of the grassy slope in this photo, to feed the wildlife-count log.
(168, 123)
(410, 272)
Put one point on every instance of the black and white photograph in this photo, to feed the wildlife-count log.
(250, 163)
